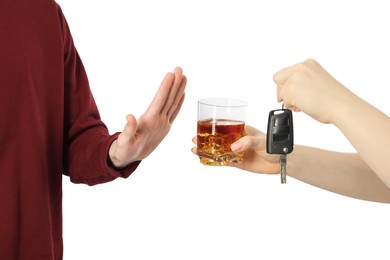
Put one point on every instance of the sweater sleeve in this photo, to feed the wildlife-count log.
(86, 137)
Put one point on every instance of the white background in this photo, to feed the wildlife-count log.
(173, 207)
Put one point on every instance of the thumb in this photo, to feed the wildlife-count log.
(129, 130)
(248, 142)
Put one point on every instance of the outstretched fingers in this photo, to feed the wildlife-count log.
(176, 109)
(170, 95)
(178, 101)
(176, 94)
(162, 94)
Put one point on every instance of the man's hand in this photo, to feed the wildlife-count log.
(140, 137)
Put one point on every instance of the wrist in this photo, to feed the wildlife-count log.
(113, 160)
(345, 109)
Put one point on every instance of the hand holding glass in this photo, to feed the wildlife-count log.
(221, 122)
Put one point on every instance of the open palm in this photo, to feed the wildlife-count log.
(141, 137)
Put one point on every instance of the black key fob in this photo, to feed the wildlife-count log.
(280, 132)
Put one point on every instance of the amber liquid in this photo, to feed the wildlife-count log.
(214, 139)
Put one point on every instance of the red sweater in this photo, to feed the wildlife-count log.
(49, 126)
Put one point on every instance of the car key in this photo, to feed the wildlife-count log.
(280, 136)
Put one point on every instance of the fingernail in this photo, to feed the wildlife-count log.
(236, 147)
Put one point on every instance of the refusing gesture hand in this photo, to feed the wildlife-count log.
(140, 137)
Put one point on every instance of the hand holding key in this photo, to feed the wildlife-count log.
(308, 87)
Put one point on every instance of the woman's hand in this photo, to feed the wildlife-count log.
(308, 87)
(256, 159)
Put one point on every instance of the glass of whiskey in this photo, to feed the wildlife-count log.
(221, 122)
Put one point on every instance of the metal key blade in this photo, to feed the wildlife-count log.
(283, 166)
